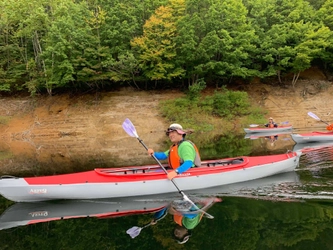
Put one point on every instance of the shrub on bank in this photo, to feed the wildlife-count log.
(211, 111)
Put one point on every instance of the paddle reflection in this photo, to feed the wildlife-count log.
(186, 215)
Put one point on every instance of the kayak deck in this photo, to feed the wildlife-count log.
(157, 168)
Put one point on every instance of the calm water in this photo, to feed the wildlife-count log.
(288, 211)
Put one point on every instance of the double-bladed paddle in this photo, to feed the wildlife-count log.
(131, 131)
(316, 117)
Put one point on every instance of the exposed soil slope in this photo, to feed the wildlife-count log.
(73, 132)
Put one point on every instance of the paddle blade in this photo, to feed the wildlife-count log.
(134, 231)
(254, 125)
(313, 116)
(129, 128)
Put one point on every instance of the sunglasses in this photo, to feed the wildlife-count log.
(169, 130)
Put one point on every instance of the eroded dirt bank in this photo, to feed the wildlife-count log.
(78, 131)
(74, 133)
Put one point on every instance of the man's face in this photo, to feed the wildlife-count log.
(174, 136)
(180, 232)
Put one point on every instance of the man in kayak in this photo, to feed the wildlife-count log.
(182, 155)
(271, 123)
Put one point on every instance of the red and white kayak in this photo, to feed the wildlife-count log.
(313, 137)
(268, 130)
(144, 180)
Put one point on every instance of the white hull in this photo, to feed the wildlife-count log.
(268, 130)
(313, 138)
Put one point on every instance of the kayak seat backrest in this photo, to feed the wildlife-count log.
(137, 171)
(8, 177)
(120, 171)
(237, 161)
(224, 163)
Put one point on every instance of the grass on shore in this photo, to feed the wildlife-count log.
(222, 112)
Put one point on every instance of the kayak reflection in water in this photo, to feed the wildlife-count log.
(271, 139)
(186, 216)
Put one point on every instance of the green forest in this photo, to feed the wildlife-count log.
(46, 46)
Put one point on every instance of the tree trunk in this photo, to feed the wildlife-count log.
(279, 76)
(295, 78)
(40, 63)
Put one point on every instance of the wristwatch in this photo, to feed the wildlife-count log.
(176, 170)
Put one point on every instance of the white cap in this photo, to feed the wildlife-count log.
(176, 127)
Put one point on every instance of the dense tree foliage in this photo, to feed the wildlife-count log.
(49, 45)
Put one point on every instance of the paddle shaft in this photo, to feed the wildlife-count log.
(131, 131)
(324, 122)
(159, 163)
(173, 182)
(135, 231)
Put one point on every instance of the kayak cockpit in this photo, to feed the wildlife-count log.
(156, 168)
(8, 177)
(223, 163)
(130, 170)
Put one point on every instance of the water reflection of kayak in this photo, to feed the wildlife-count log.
(264, 134)
(305, 147)
(21, 214)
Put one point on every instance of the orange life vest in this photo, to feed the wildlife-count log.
(271, 125)
(178, 219)
(174, 159)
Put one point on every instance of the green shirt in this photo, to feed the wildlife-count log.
(190, 223)
(186, 152)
